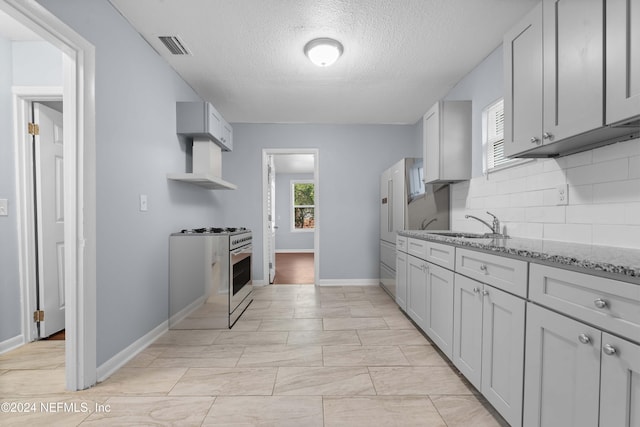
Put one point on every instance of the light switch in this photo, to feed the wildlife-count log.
(4, 207)
(143, 203)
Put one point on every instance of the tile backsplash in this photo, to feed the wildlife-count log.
(603, 198)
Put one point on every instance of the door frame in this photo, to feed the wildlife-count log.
(79, 185)
(23, 97)
(265, 213)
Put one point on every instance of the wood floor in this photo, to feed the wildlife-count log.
(294, 268)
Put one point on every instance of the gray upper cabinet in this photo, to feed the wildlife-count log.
(447, 142)
(523, 80)
(202, 120)
(573, 37)
(562, 110)
(623, 61)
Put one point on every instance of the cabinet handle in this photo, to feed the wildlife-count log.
(534, 140)
(547, 135)
(609, 350)
(483, 267)
(476, 289)
(600, 303)
(485, 293)
(584, 338)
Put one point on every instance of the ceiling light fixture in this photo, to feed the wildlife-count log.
(323, 51)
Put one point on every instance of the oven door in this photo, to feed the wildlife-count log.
(240, 284)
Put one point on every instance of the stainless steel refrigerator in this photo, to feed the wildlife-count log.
(406, 203)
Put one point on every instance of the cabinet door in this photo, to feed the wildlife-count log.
(431, 143)
(623, 60)
(467, 328)
(214, 122)
(503, 352)
(573, 34)
(417, 290)
(523, 85)
(401, 280)
(562, 371)
(440, 307)
(620, 383)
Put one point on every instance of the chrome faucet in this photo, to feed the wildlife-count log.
(423, 226)
(495, 228)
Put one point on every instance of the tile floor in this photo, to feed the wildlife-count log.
(300, 356)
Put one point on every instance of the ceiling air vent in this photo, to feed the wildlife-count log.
(175, 45)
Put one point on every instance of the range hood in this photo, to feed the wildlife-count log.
(206, 167)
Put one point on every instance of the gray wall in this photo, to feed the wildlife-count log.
(351, 159)
(36, 63)
(483, 85)
(137, 146)
(9, 286)
(285, 238)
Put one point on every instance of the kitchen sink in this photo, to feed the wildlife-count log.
(463, 235)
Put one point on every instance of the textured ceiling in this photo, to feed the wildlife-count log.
(400, 56)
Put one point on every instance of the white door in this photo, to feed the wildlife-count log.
(50, 217)
(271, 220)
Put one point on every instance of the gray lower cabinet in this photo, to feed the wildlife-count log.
(417, 290)
(488, 343)
(619, 382)
(430, 301)
(401, 280)
(562, 371)
(439, 321)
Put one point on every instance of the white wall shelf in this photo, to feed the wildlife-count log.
(204, 180)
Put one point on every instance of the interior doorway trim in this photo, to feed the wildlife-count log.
(79, 186)
(265, 227)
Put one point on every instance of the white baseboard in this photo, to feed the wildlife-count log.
(109, 367)
(295, 251)
(185, 312)
(12, 343)
(349, 282)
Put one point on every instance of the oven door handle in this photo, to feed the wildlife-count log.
(242, 250)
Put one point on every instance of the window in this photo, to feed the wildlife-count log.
(493, 118)
(303, 206)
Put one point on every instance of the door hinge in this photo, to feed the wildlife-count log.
(38, 316)
(34, 129)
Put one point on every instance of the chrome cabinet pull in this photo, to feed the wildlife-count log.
(584, 338)
(485, 293)
(534, 140)
(476, 290)
(609, 350)
(547, 135)
(600, 303)
(483, 267)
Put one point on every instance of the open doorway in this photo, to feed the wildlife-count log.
(291, 216)
(76, 198)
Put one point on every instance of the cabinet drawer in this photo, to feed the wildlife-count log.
(436, 253)
(609, 304)
(401, 243)
(442, 255)
(417, 248)
(507, 274)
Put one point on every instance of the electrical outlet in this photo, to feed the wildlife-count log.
(143, 203)
(562, 195)
(4, 207)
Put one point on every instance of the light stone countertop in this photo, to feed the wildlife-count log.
(606, 261)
